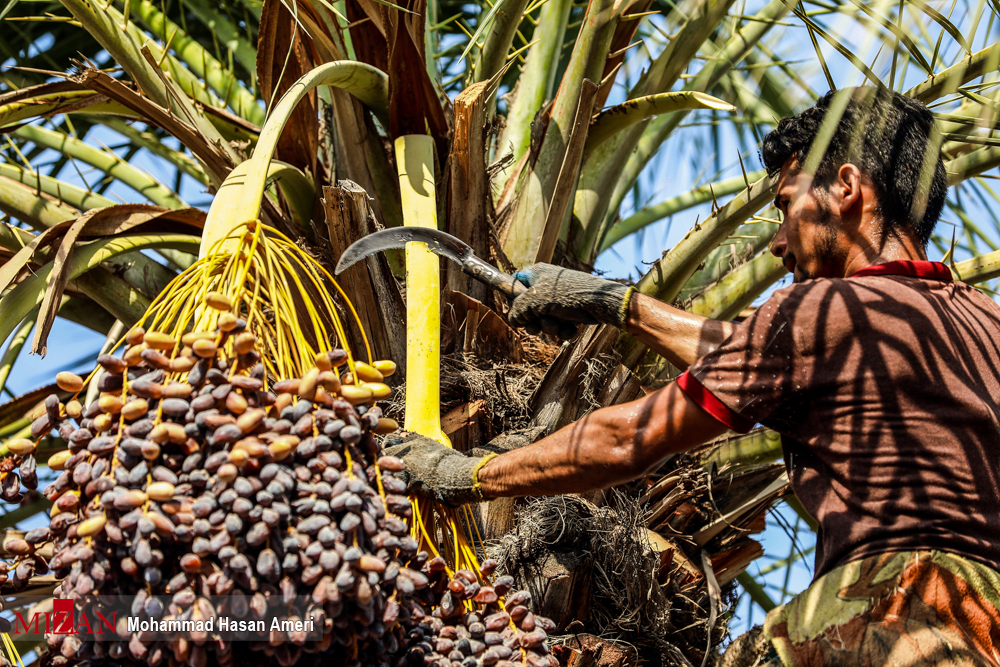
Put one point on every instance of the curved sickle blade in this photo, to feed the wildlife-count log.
(439, 243)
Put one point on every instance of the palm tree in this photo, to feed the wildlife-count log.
(540, 128)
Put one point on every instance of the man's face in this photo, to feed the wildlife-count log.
(808, 239)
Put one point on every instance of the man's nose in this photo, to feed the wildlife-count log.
(779, 243)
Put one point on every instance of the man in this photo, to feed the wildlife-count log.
(880, 371)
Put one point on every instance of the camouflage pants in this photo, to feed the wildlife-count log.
(905, 609)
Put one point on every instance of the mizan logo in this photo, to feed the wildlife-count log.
(63, 620)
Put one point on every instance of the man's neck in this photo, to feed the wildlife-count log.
(896, 247)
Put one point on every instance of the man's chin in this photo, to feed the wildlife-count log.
(793, 267)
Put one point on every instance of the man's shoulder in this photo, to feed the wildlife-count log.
(819, 292)
(827, 308)
(868, 288)
(837, 307)
(812, 293)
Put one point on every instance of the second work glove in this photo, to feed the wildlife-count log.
(449, 476)
(559, 299)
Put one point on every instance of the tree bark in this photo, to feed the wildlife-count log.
(369, 285)
(468, 193)
(584, 376)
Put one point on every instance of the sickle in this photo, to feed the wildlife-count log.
(438, 242)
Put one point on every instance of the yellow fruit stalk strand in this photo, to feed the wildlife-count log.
(270, 282)
(13, 656)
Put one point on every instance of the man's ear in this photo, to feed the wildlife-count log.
(846, 190)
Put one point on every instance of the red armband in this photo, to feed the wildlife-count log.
(708, 402)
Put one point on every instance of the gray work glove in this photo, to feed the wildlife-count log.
(449, 476)
(559, 299)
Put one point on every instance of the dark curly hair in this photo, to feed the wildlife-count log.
(886, 135)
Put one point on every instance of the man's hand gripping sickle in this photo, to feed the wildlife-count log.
(449, 476)
(558, 300)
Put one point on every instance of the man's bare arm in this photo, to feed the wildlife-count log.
(678, 336)
(558, 298)
(610, 446)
